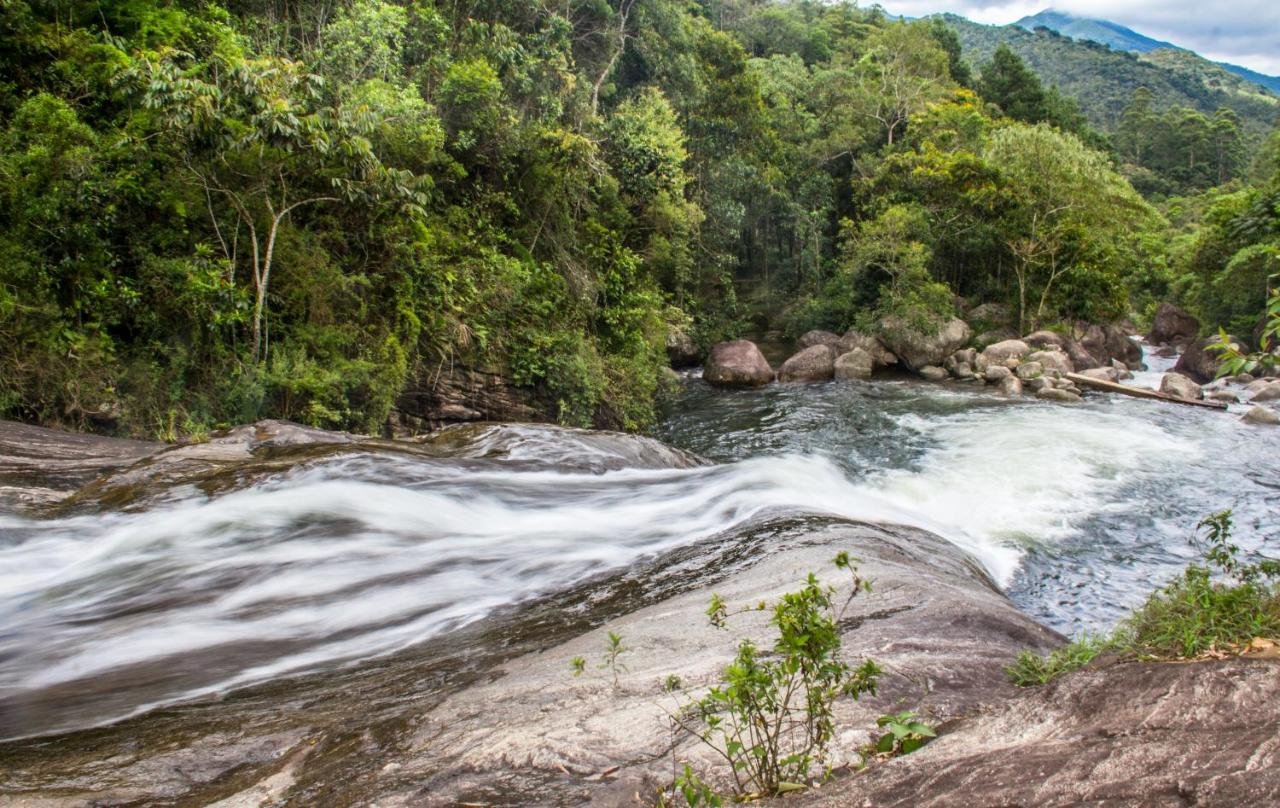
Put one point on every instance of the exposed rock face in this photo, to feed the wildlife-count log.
(1199, 363)
(1001, 352)
(854, 364)
(682, 351)
(816, 363)
(442, 394)
(1175, 384)
(915, 349)
(1172, 326)
(737, 364)
(932, 621)
(816, 337)
(1261, 415)
(1137, 734)
(40, 467)
(853, 338)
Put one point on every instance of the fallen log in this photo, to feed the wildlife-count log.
(1140, 392)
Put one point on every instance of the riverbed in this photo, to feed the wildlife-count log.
(350, 567)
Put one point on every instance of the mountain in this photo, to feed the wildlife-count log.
(1103, 79)
(1117, 37)
(1105, 32)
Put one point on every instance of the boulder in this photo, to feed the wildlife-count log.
(682, 351)
(1059, 395)
(1122, 370)
(1053, 360)
(1260, 415)
(986, 338)
(1132, 734)
(997, 373)
(853, 338)
(1038, 383)
(963, 370)
(1044, 339)
(1268, 392)
(1166, 352)
(1108, 342)
(980, 364)
(817, 337)
(915, 348)
(1029, 370)
(1175, 384)
(989, 314)
(1080, 358)
(1172, 326)
(1009, 386)
(1104, 374)
(1001, 352)
(933, 373)
(814, 364)
(1243, 378)
(1201, 364)
(1222, 395)
(854, 364)
(737, 364)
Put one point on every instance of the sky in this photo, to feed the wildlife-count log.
(1243, 32)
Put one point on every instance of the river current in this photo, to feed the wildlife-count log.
(1076, 511)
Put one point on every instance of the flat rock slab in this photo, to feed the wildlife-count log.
(40, 467)
(1137, 734)
(934, 622)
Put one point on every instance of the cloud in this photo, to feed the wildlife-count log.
(1244, 32)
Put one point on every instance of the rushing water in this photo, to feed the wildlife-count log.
(359, 553)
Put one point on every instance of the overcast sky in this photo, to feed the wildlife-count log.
(1243, 32)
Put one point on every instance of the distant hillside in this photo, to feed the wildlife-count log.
(1104, 32)
(1103, 80)
(1118, 37)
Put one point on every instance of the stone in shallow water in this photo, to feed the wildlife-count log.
(813, 364)
(1261, 416)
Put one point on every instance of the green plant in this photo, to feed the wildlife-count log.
(613, 649)
(1196, 614)
(904, 733)
(578, 665)
(693, 789)
(1032, 669)
(1233, 361)
(772, 717)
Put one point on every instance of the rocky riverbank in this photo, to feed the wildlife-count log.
(1040, 363)
(491, 714)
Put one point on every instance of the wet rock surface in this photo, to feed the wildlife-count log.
(1138, 734)
(40, 467)
(737, 364)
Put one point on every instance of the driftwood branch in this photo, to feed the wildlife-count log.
(1140, 392)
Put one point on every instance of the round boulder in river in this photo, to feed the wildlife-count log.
(737, 364)
(854, 364)
(1172, 326)
(813, 364)
(1175, 384)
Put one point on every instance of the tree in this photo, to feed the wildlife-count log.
(1068, 209)
(1009, 84)
(262, 140)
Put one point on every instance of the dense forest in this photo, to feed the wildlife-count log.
(216, 212)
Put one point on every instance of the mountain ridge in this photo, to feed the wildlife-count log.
(1122, 38)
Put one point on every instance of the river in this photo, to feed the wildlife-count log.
(366, 553)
